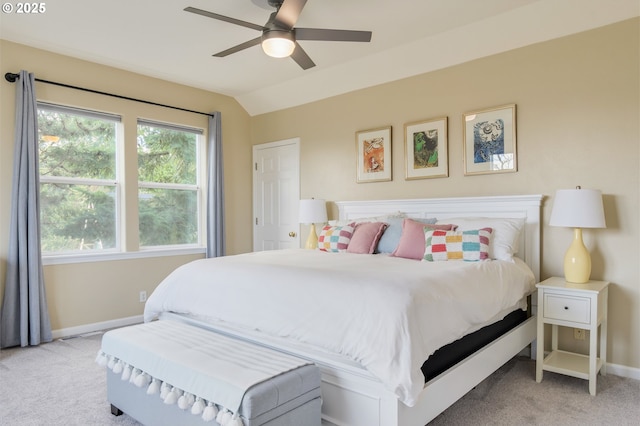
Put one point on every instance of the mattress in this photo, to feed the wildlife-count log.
(451, 354)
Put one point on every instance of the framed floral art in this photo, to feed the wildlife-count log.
(490, 140)
(373, 148)
(425, 149)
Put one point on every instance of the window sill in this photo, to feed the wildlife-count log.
(108, 257)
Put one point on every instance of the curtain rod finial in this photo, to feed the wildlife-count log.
(11, 77)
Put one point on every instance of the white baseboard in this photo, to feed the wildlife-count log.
(623, 371)
(96, 326)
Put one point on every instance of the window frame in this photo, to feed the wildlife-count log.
(125, 218)
(197, 187)
(115, 183)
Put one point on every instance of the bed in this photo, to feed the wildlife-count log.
(371, 357)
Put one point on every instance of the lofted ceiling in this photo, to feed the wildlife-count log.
(410, 37)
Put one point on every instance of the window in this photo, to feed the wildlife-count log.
(82, 186)
(79, 189)
(168, 184)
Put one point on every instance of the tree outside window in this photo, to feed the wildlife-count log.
(78, 181)
(168, 192)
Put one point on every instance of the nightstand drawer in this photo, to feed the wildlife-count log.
(567, 308)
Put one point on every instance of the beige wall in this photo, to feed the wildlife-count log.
(86, 293)
(578, 124)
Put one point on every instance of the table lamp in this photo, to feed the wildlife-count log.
(312, 211)
(577, 208)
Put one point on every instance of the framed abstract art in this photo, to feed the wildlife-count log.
(373, 155)
(490, 140)
(426, 149)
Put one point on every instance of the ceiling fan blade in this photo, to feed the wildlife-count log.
(289, 12)
(224, 18)
(331, 35)
(301, 58)
(238, 48)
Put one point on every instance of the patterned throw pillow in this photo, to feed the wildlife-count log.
(505, 235)
(471, 245)
(335, 238)
(411, 244)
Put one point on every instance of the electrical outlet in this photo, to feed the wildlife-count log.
(143, 296)
(578, 333)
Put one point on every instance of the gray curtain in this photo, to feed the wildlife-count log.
(215, 189)
(25, 318)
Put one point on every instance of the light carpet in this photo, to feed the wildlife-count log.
(58, 383)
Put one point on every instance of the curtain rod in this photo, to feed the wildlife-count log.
(11, 78)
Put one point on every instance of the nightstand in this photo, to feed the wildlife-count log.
(583, 306)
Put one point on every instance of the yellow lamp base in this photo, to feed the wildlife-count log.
(312, 241)
(577, 261)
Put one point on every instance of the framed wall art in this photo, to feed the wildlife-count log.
(490, 140)
(373, 148)
(426, 149)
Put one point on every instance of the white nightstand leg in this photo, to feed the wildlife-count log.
(593, 348)
(603, 333)
(539, 350)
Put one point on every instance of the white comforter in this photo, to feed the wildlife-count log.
(387, 313)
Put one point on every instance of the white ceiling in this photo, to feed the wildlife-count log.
(410, 37)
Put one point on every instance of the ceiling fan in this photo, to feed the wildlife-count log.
(279, 37)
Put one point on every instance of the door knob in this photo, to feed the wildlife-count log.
(292, 234)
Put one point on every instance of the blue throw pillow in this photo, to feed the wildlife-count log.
(391, 237)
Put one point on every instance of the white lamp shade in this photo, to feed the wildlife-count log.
(578, 208)
(312, 211)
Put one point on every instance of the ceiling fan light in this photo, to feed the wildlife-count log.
(278, 44)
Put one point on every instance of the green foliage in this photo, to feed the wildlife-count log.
(77, 217)
(168, 217)
(85, 147)
(166, 156)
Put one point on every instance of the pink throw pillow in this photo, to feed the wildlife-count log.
(365, 237)
(411, 245)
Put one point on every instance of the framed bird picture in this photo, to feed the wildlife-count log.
(426, 149)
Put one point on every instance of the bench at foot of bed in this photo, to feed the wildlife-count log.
(168, 373)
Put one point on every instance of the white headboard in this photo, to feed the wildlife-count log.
(516, 206)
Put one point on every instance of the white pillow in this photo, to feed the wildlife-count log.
(381, 218)
(506, 233)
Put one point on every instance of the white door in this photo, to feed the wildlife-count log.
(276, 195)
